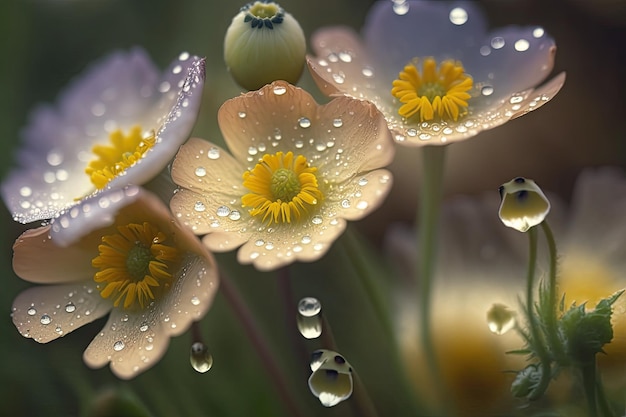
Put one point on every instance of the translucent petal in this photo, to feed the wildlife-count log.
(426, 29)
(272, 247)
(327, 135)
(134, 342)
(45, 313)
(119, 92)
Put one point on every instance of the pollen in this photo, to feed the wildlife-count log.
(134, 265)
(437, 93)
(124, 152)
(283, 188)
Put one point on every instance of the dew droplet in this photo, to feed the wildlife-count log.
(538, 32)
(143, 327)
(486, 90)
(521, 45)
(304, 122)
(309, 320)
(235, 215)
(222, 211)
(200, 358)
(458, 16)
(26, 191)
(242, 114)
(345, 203)
(214, 153)
(31, 311)
(401, 8)
(306, 239)
(200, 171)
(70, 307)
(199, 206)
(337, 122)
(497, 42)
(500, 319)
(316, 220)
(279, 90)
(119, 345)
(363, 182)
(195, 301)
(45, 319)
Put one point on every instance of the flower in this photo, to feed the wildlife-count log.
(523, 204)
(264, 43)
(433, 70)
(122, 253)
(482, 263)
(120, 123)
(297, 172)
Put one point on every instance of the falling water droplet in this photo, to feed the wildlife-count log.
(200, 358)
(309, 319)
(500, 319)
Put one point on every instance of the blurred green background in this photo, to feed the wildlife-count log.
(45, 43)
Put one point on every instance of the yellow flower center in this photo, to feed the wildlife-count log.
(124, 152)
(283, 187)
(133, 265)
(436, 92)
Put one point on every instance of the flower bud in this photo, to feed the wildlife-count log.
(264, 44)
(500, 319)
(523, 204)
(526, 381)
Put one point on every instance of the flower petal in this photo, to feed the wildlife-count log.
(361, 195)
(45, 313)
(134, 342)
(36, 258)
(326, 135)
(119, 92)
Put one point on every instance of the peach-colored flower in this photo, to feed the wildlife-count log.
(297, 171)
(122, 253)
(119, 123)
(434, 71)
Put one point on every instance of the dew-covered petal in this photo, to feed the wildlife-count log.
(396, 32)
(119, 92)
(358, 197)
(340, 138)
(134, 341)
(341, 64)
(173, 118)
(37, 258)
(210, 200)
(92, 214)
(272, 247)
(45, 313)
(509, 60)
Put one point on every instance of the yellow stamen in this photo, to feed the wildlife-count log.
(435, 93)
(123, 153)
(283, 187)
(133, 265)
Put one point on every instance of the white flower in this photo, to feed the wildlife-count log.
(120, 123)
(434, 71)
(297, 171)
(122, 253)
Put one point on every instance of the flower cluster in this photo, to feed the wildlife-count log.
(133, 203)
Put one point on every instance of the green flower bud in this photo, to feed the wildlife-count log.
(523, 204)
(264, 44)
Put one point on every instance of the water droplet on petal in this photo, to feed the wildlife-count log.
(213, 153)
(337, 122)
(242, 114)
(401, 8)
(223, 211)
(200, 171)
(119, 345)
(280, 90)
(522, 45)
(345, 203)
(486, 90)
(199, 206)
(200, 358)
(143, 327)
(304, 122)
(497, 42)
(70, 307)
(458, 16)
(31, 311)
(45, 319)
(316, 220)
(538, 32)
(235, 215)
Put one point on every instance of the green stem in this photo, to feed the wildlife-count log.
(431, 191)
(588, 370)
(551, 320)
(536, 337)
(257, 339)
(603, 403)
